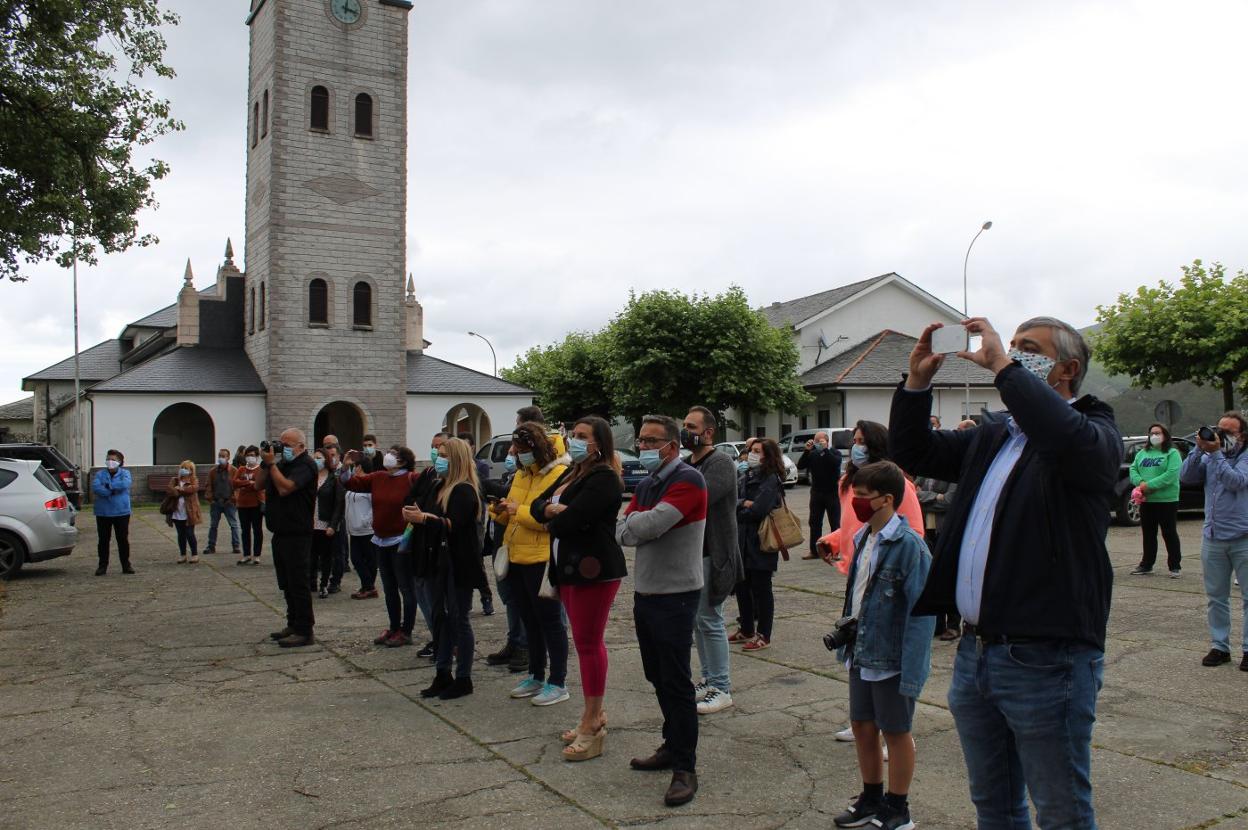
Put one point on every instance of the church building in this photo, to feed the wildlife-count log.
(319, 330)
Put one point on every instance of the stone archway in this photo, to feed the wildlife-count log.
(342, 419)
(470, 418)
(183, 432)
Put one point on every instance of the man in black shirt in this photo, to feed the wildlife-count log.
(290, 484)
(822, 463)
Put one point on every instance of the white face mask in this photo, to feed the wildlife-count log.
(754, 461)
(1156, 440)
(113, 463)
(390, 461)
(223, 461)
(253, 461)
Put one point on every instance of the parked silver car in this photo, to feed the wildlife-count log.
(36, 518)
(734, 449)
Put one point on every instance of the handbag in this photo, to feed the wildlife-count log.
(548, 590)
(501, 562)
(169, 505)
(780, 530)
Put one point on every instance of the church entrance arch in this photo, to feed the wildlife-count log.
(342, 419)
(470, 418)
(183, 432)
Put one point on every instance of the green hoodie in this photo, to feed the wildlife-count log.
(1160, 468)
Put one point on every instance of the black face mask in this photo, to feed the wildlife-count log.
(690, 440)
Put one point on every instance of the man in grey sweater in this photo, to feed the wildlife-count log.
(721, 558)
(665, 522)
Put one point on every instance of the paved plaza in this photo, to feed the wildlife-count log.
(157, 700)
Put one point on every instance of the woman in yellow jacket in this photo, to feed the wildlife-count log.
(528, 551)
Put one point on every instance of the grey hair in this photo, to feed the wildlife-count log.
(1070, 345)
(669, 424)
(302, 436)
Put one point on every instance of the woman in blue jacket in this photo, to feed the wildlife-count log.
(111, 487)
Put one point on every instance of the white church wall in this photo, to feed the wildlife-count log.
(125, 422)
(427, 413)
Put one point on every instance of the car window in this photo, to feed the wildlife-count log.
(6, 478)
(1130, 450)
(1184, 447)
(727, 450)
(45, 478)
(500, 451)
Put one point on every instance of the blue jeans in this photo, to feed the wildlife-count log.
(364, 558)
(1219, 560)
(398, 586)
(1024, 714)
(710, 636)
(215, 512)
(424, 601)
(515, 625)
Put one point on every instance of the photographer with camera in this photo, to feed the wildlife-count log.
(886, 650)
(288, 475)
(1221, 466)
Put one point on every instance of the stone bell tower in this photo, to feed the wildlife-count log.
(326, 214)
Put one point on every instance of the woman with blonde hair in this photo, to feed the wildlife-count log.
(450, 515)
(183, 504)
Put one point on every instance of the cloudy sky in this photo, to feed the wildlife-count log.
(566, 151)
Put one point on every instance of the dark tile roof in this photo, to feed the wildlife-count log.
(880, 360)
(803, 308)
(99, 362)
(18, 410)
(167, 317)
(189, 370)
(429, 376)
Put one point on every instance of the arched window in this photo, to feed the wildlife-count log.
(262, 305)
(318, 302)
(364, 115)
(320, 108)
(255, 124)
(183, 432)
(264, 116)
(362, 302)
(251, 311)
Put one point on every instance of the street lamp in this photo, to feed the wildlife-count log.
(966, 310)
(491, 345)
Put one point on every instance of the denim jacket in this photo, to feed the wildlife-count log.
(889, 639)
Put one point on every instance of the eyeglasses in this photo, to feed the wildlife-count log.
(652, 443)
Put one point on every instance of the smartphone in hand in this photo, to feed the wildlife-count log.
(950, 339)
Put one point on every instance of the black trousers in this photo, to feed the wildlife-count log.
(322, 559)
(543, 623)
(823, 503)
(1163, 517)
(118, 526)
(251, 521)
(664, 624)
(757, 603)
(292, 559)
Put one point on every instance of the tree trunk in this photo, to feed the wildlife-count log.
(1228, 392)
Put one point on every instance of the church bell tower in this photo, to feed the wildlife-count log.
(326, 214)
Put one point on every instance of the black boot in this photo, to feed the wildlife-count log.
(500, 657)
(519, 660)
(441, 683)
(459, 687)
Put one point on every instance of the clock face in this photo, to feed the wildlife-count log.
(348, 11)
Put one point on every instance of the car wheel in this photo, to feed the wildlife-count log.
(1128, 511)
(12, 554)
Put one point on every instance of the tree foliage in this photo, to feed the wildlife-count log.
(1196, 331)
(665, 352)
(71, 115)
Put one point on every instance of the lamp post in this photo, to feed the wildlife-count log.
(491, 345)
(78, 445)
(966, 310)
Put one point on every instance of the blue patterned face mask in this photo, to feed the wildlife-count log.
(1038, 364)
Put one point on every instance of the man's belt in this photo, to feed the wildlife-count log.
(993, 638)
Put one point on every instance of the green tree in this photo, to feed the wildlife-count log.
(667, 351)
(1196, 331)
(568, 377)
(71, 115)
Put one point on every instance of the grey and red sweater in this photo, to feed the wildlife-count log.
(665, 522)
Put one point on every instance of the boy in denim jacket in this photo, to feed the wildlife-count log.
(889, 659)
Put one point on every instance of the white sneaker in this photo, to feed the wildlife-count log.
(527, 688)
(716, 700)
(1176, 574)
(846, 735)
(700, 690)
(550, 695)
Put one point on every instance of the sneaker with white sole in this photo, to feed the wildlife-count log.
(527, 688)
(700, 690)
(1142, 571)
(1175, 574)
(716, 700)
(550, 695)
(846, 735)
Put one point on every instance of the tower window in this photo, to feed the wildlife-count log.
(255, 124)
(320, 108)
(364, 115)
(262, 306)
(362, 300)
(264, 116)
(251, 311)
(318, 302)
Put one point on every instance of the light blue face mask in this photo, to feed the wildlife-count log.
(650, 459)
(288, 454)
(320, 463)
(742, 466)
(526, 459)
(441, 464)
(510, 463)
(578, 448)
(858, 455)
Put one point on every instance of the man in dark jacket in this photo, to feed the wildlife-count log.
(822, 463)
(290, 486)
(721, 559)
(1022, 558)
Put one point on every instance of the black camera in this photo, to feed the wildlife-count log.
(1208, 434)
(844, 632)
(275, 445)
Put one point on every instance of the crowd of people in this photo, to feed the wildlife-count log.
(992, 534)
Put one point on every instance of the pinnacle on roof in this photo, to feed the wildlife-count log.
(411, 289)
(188, 278)
(229, 251)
